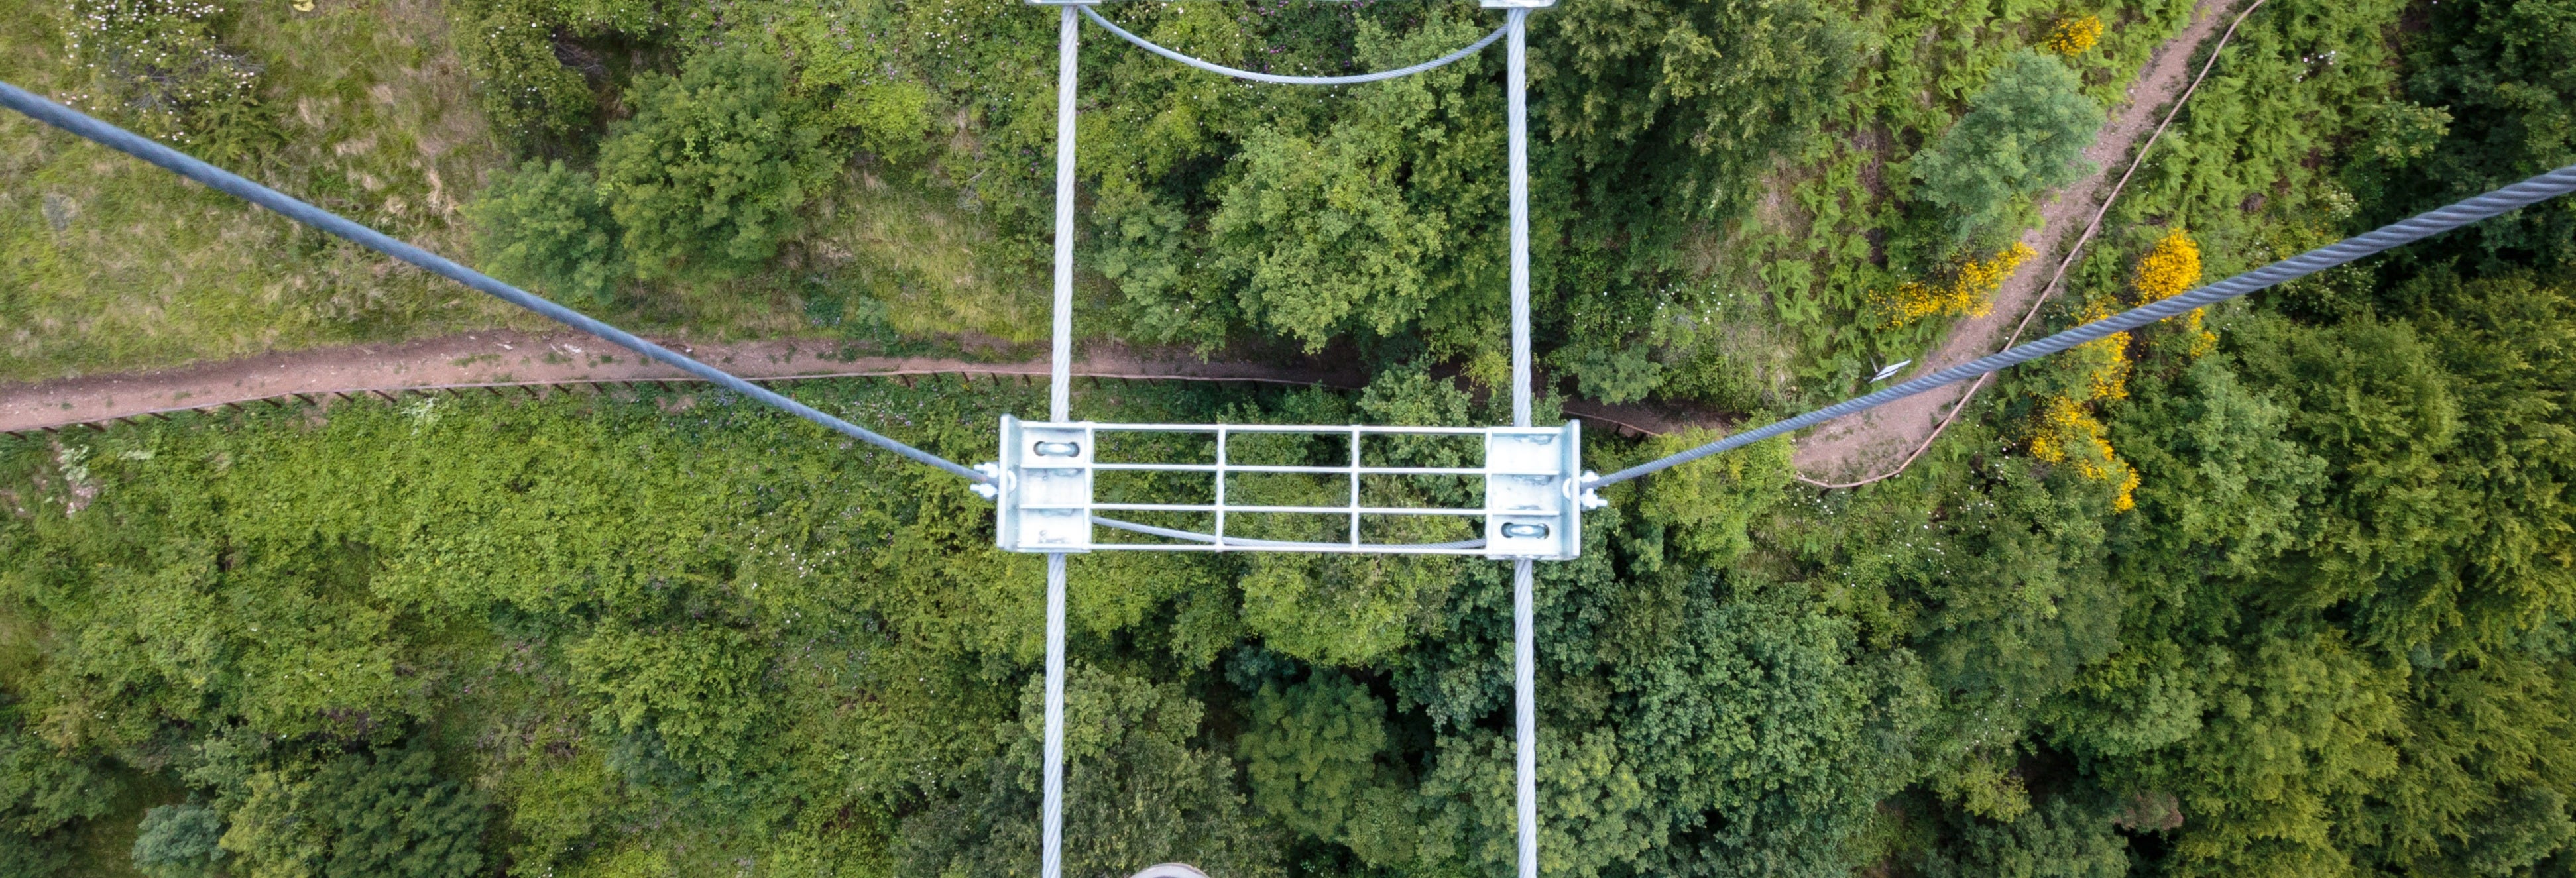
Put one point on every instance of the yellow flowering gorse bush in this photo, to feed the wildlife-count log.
(2072, 36)
(2171, 268)
(2068, 429)
(1967, 293)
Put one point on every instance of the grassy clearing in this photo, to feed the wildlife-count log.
(115, 265)
(112, 265)
(932, 264)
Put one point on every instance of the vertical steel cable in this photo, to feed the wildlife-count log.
(1060, 389)
(1051, 823)
(1059, 409)
(1517, 82)
(1525, 719)
(1524, 638)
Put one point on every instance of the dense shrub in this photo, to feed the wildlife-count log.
(544, 226)
(706, 178)
(43, 791)
(384, 814)
(2024, 132)
(522, 54)
(180, 841)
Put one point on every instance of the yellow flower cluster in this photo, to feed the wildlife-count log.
(2072, 36)
(2171, 268)
(2106, 359)
(1969, 292)
(2068, 431)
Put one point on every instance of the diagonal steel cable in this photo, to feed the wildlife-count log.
(2531, 191)
(288, 206)
(2090, 229)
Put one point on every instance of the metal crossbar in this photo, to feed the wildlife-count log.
(1531, 504)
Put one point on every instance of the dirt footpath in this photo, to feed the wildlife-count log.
(506, 357)
(1874, 441)
(518, 358)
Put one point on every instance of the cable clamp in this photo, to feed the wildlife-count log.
(1588, 498)
(991, 489)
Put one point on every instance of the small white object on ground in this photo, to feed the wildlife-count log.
(1171, 870)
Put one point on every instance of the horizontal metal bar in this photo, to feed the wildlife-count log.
(1303, 510)
(1318, 470)
(1323, 548)
(1335, 430)
(1284, 545)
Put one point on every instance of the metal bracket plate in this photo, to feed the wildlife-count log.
(1529, 479)
(1045, 496)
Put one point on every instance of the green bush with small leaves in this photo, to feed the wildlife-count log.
(2024, 132)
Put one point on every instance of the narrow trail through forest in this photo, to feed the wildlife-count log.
(507, 358)
(1872, 442)
(1876, 443)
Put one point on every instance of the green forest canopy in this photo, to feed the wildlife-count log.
(674, 633)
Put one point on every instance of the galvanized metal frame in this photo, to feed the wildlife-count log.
(1530, 476)
(1533, 498)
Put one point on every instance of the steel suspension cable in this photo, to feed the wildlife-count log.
(1524, 603)
(288, 206)
(2534, 190)
(1239, 73)
(1059, 410)
(1051, 811)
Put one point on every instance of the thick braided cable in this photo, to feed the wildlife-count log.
(2523, 194)
(184, 165)
(1051, 811)
(1059, 409)
(1238, 73)
(1524, 605)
